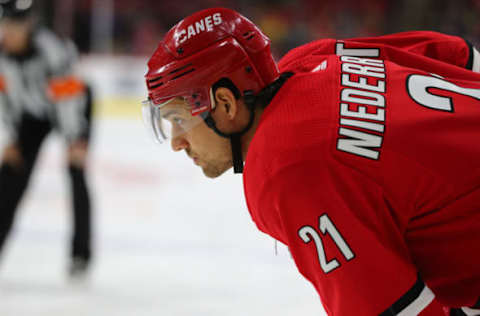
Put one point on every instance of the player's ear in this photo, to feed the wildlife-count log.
(226, 102)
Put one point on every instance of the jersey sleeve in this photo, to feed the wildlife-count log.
(66, 91)
(450, 49)
(59, 54)
(8, 116)
(346, 243)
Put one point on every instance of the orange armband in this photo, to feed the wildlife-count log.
(3, 84)
(65, 87)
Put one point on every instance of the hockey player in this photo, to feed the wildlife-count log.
(38, 93)
(361, 155)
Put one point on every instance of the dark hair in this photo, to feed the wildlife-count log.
(264, 97)
(227, 83)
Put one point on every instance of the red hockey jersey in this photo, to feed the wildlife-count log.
(368, 167)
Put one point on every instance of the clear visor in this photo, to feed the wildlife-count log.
(169, 119)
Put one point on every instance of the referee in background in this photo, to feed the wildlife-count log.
(38, 94)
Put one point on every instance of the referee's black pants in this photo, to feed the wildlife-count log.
(14, 180)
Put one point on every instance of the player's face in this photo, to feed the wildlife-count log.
(15, 34)
(208, 150)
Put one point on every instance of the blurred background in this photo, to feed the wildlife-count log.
(167, 240)
(134, 27)
(116, 28)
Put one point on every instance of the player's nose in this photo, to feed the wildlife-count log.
(179, 143)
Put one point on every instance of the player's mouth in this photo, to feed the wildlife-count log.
(196, 160)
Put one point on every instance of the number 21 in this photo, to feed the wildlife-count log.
(307, 233)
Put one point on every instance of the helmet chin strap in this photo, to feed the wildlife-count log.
(263, 97)
(235, 138)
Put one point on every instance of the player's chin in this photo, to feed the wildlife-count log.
(214, 172)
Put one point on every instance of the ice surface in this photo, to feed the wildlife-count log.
(167, 240)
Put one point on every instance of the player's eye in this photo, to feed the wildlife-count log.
(179, 121)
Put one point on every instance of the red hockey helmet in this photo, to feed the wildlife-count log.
(200, 50)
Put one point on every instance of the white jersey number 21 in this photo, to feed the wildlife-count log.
(307, 233)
